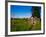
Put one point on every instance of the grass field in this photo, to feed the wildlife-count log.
(21, 24)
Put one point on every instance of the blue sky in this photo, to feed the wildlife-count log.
(21, 11)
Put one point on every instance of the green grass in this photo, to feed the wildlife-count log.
(23, 25)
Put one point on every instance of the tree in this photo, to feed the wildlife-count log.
(36, 11)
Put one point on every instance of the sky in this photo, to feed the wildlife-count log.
(18, 11)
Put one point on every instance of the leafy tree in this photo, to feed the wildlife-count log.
(36, 11)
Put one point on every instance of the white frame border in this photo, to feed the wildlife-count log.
(24, 32)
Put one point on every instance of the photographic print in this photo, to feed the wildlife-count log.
(25, 18)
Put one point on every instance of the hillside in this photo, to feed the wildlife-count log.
(25, 24)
